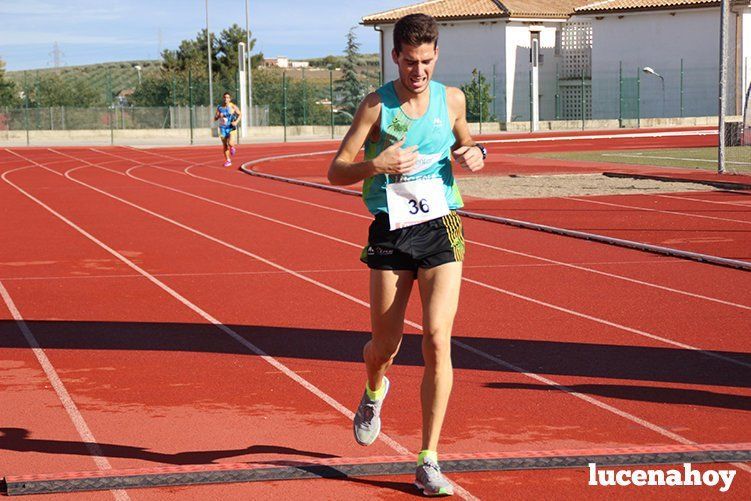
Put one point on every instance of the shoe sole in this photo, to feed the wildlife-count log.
(428, 493)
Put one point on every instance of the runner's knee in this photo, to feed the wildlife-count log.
(436, 347)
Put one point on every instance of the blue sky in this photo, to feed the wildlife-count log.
(93, 31)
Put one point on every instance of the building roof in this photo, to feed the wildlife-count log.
(444, 10)
(631, 5)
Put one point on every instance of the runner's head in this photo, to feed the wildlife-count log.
(415, 50)
(227, 98)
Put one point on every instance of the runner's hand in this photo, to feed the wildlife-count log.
(469, 157)
(395, 159)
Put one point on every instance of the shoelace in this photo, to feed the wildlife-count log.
(368, 413)
(432, 470)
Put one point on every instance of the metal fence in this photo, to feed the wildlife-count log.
(614, 96)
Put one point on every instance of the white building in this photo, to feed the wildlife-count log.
(582, 45)
(284, 62)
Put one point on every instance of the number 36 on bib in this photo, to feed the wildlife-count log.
(414, 202)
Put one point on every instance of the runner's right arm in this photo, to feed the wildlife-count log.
(392, 160)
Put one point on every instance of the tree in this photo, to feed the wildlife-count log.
(52, 89)
(479, 98)
(170, 87)
(9, 95)
(349, 88)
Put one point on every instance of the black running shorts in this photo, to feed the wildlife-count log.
(424, 245)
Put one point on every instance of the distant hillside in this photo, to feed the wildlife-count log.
(123, 73)
(336, 61)
(125, 76)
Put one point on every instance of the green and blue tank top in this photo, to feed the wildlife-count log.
(433, 135)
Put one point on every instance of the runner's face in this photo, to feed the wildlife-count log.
(416, 65)
(227, 99)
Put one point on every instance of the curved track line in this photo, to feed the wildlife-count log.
(474, 242)
(475, 282)
(227, 330)
(745, 205)
(661, 211)
(641, 422)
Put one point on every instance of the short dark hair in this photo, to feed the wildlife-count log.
(415, 30)
(227, 94)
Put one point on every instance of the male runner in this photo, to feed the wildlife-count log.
(228, 115)
(411, 127)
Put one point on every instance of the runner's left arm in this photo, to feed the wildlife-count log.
(465, 152)
(238, 116)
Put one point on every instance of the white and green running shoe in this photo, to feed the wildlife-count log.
(367, 423)
(431, 481)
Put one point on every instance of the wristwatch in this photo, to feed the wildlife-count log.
(483, 150)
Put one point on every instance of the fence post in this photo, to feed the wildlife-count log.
(582, 103)
(495, 107)
(331, 98)
(26, 106)
(557, 92)
(480, 97)
(304, 99)
(620, 94)
(190, 104)
(681, 87)
(112, 108)
(531, 104)
(638, 98)
(284, 103)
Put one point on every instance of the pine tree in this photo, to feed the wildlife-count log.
(350, 90)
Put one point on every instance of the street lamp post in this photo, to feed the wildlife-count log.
(138, 69)
(208, 55)
(249, 66)
(650, 71)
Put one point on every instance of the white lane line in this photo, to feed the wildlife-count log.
(474, 242)
(641, 422)
(745, 205)
(62, 393)
(605, 136)
(645, 209)
(670, 158)
(276, 272)
(227, 330)
(569, 311)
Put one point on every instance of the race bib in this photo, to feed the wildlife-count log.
(223, 121)
(414, 202)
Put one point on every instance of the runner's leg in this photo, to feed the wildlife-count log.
(439, 293)
(389, 295)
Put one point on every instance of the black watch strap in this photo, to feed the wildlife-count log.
(483, 150)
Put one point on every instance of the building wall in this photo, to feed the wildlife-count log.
(518, 42)
(660, 40)
(463, 46)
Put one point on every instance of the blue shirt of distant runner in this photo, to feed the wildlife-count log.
(226, 117)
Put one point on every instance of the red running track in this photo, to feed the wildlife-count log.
(716, 223)
(560, 343)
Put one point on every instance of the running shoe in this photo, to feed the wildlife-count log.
(228, 163)
(232, 150)
(367, 423)
(431, 481)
